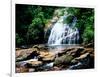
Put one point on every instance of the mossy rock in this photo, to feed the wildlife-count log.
(65, 59)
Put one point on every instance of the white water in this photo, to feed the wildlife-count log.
(64, 33)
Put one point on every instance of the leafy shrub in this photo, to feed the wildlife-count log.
(19, 40)
(88, 34)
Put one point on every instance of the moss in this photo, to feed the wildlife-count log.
(65, 59)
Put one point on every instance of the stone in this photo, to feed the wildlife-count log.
(82, 62)
(88, 50)
(21, 64)
(55, 68)
(82, 56)
(69, 49)
(46, 56)
(89, 45)
(65, 59)
(31, 70)
(64, 51)
(74, 61)
(75, 52)
(32, 63)
(18, 49)
(26, 54)
(38, 58)
(36, 48)
(40, 47)
(21, 70)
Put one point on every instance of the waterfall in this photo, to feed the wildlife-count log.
(64, 33)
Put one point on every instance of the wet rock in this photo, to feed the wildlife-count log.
(38, 58)
(21, 64)
(35, 47)
(61, 53)
(76, 66)
(21, 70)
(88, 50)
(46, 56)
(65, 59)
(31, 70)
(33, 63)
(82, 56)
(81, 62)
(73, 62)
(21, 67)
(26, 54)
(75, 52)
(18, 49)
(71, 51)
(33, 55)
(47, 66)
(40, 47)
(55, 68)
(89, 45)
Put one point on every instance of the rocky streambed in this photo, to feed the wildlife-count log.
(54, 58)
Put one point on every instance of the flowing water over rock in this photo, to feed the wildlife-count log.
(54, 58)
(64, 33)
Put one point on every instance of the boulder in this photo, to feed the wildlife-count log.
(71, 51)
(26, 54)
(76, 52)
(88, 50)
(63, 60)
(40, 47)
(21, 67)
(46, 56)
(31, 70)
(18, 49)
(21, 70)
(82, 56)
(36, 46)
(55, 68)
(90, 45)
(82, 62)
(33, 63)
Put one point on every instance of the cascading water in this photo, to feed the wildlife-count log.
(64, 33)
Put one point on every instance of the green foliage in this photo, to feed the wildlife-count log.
(36, 31)
(37, 21)
(30, 23)
(19, 40)
(88, 34)
(69, 19)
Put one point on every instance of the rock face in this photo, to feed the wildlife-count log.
(40, 58)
